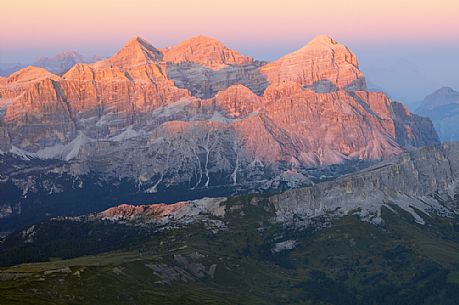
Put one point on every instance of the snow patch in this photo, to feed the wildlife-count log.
(221, 118)
(285, 245)
(170, 109)
(127, 134)
(60, 151)
(21, 153)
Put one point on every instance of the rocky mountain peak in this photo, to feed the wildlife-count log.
(201, 39)
(323, 40)
(442, 106)
(445, 89)
(205, 51)
(30, 73)
(444, 92)
(323, 65)
(135, 52)
(327, 44)
(443, 96)
(137, 41)
(79, 72)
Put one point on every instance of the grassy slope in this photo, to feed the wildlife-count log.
(350, 262)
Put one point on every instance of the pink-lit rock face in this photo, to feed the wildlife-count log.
(304, 127)
(411, 129)
(29, 74)
(122, 94)
(163, 214)
(205, 51)
(39, 115)
(51, 108)
(136, 52)
(205, 66)
(325, 127)
(126, 211)
(18, 83)
(323, 64)
(237, 102)
(199, 109)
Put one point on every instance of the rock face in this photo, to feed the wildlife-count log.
(162, 214)
(323, 65)
(136, 52)
(442, 107)
(412, 130)
(205, 51)
(425, 180)
(200, 115)
(204, 66)
(412, 199)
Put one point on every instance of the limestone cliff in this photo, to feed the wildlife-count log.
(201, 114)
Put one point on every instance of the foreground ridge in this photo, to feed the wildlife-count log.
(398, 219)
(389, 184)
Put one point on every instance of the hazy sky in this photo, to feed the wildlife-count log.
(408, 47)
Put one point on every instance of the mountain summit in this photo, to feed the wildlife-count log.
(441, 97)
(205, 51)
(322, 64)
(442, 106)
(137, 51)
(30, 74)
(323, 39)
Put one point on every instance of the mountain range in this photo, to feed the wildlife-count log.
(194, 174)
(193, 117)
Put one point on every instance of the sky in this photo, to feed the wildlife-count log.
(406, 47)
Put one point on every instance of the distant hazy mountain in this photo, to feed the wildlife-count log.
(61, 62)
(441, 97)
(442, 107)
(58, 64)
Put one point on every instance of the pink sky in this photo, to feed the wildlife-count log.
(97, 24)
